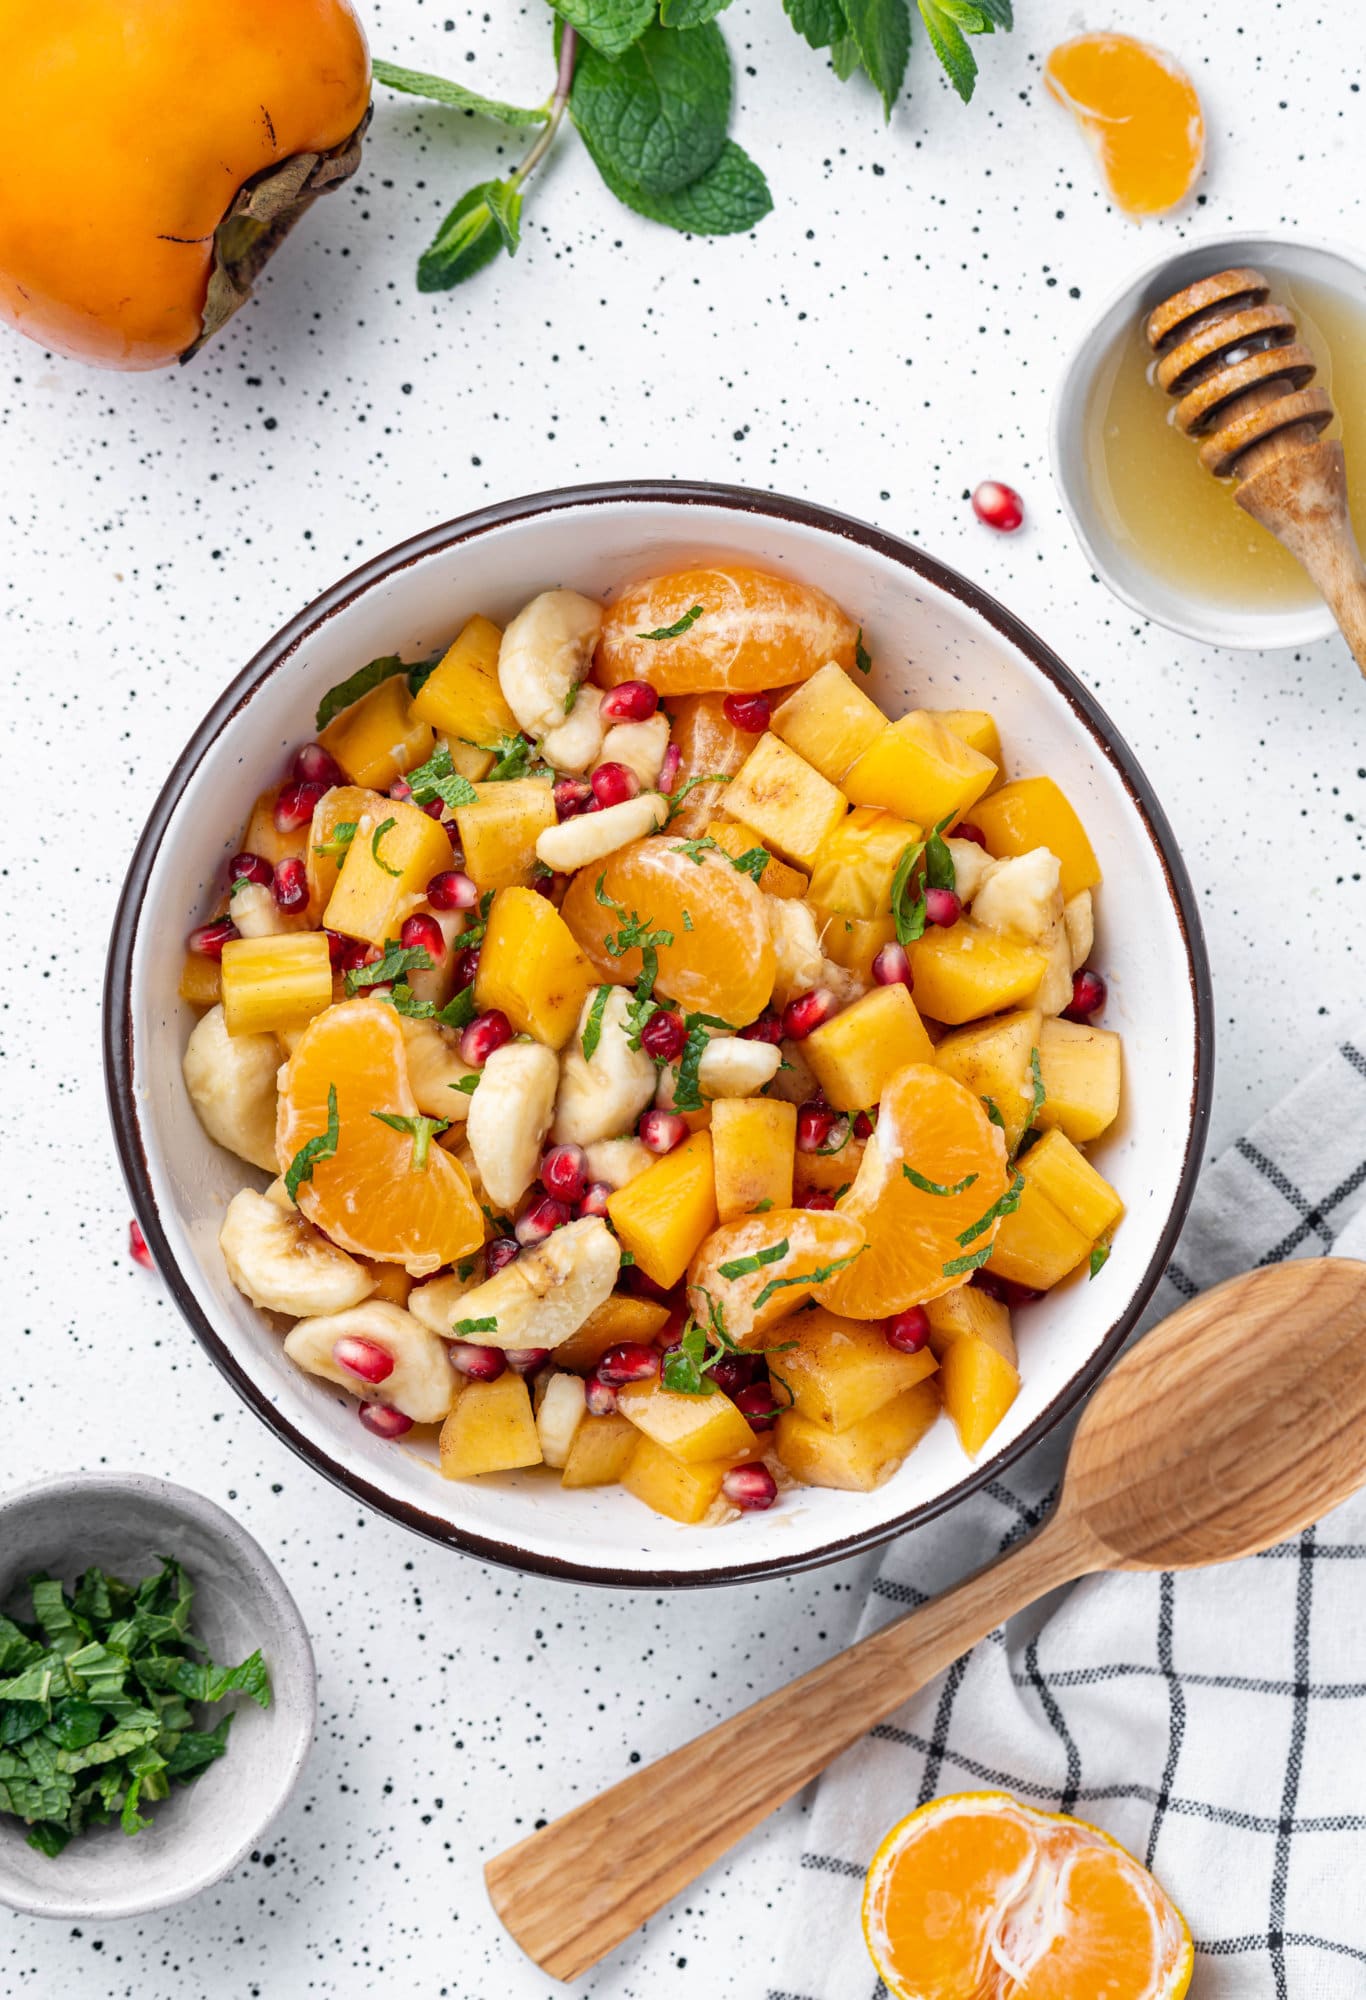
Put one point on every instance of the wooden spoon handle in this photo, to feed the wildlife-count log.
(1301, 496)
(572, 1892)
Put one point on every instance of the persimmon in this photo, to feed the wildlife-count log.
(153, 157)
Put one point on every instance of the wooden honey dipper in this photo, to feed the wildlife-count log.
(1230, 356)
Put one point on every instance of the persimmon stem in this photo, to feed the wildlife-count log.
(564, 78)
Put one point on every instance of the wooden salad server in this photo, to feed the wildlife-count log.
(1235, 1423)
(1229, 353)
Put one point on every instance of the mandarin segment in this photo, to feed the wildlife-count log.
(750, 631)
(369, 1196)
(1140, 112)
(757, 1270)
(929, 1123)
(709, 747)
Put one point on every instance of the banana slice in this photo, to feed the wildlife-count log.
(1054, 990)
(602, 1094)
(618, 1162)
(435, 1070)
(576, 740)
(422, 1384)
(256, 913)
(1079, 917)
(231, 1081)
(560, 1411)
(1021, 895)
(640, 746)
(970, 864)
(544, 654)
(732, 1067)
(509, 1117)
(539, 1300)
(279, 1261)
(579, 842)
(802, 965)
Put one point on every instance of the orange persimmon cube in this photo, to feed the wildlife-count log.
(978, 1385)
(921, 770)
(857, 1051)
(962, 971)
(854, 869)
(378, 738)
(866, 1455)
(753, 1143)
(1033, 812)
(1055, 1167)
(393, 855)
(829, 720)
(665, 1214)
(531, 967)
(786, 800)
(670, 1485)
(463, 702)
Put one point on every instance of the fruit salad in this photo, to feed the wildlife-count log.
(670, 1069)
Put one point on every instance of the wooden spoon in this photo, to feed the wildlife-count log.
(1235, 1423)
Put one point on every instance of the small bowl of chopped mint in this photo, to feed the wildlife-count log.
(157, 1695)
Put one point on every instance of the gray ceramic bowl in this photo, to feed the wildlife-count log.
(124, 1522)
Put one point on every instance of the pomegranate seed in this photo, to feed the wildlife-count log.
(383, 1422)
(313, 766)
(452, 833)
(630, 701)
(599, 1397)
(137, 1248)
(943, 906)
(452, 891)
(572, 796)
(480, 1364)
(664, 1036)
(892, 966)
(670, 1335)
(546, 885)
(634, 1281)
(757, 1406)
(1007, 1290)
(661, 1131)
(1089, 994)
(750, 1487)
(564, 1172)
(210, 939)
(483, 1035)
(424, 933)
(768, 1028)
(863, 1125)
(294, 806)
(595, 1198)
(544, 1216)
(815, 1123)
(613, 784)
(630, 1361)
(502, 1250)
(817, 1198)
(466, 967)
(365, 1358)
(748, 712)
(526, 1360)
(734, 1372)
(965, 830)
(668, 770)
(250, 868)
(346, 953)
(807, 1011)
(907, 1331)
(401, 790)
(291, 885)
(998, 506)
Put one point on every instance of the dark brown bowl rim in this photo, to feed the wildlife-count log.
(118, 1023)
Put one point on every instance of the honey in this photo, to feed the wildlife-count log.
(1157, 502)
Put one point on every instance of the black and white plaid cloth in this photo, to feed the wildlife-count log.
(1214, 1721)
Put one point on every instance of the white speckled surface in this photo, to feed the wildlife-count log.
(890, 336)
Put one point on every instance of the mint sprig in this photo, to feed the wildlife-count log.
(323, 1146)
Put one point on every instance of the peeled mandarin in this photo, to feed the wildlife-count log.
(709, 746)
(750, 631)
(371, 1197)
(1140, 112)
(930, 1123)
(720, 956)
(777, 1253)
(976, 1897)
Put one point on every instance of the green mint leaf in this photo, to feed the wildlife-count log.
(417, 83)
(1005, 1205)
(592, 1033)
(690, 13)
(459, 1012)
(322, 1146)
(394, 962)
(439, 779)
(385, 826)
(687, 1088)
(695, 849)
(816, 1277)
(818, 22)
(863, 659)
(740, 1267)
(465, 1327)
(703, 777)
(466, 1086)
(752, 862)
(944, 24)
(468, 240)
(993, 1111)
(685, 1366)
(1100, 1256)
(729, 199)
(504, 200)
(420, 1130)
(999, 14)
(362, 682)
(343, 833)
(609, 26)
(958, 1267)
(511, 755)
(687, 918)
(1038, 1099)
(844, 57)
(908, 913)
(465, 1269)
(936, 1187)
(401, 997)
(939, 869)
(881, 30)
(674, 631)
(655, 117)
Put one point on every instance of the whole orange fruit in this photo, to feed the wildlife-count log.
(153, 155)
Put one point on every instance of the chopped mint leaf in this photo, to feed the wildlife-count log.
(936, 1187)
(421, 1130)
(592, 1033)
(695, 849)
(385, 826)
(465, 1327)
(752, 862)
(459, 1012)
(958, 1267)
(439, 779)
(466, 1086)
(816, 1277)
(740, 1267)
(343, 833)
(511, 757)
(362, 682)
(1005, 1205)
(465, 1269)
(1038, 1099)
(1100, 1254)
(395, 962)
(863, 659)
(762, 1207)
(993, 1110)
(687, 918)
(703, 778)
(678, 628)
(322, 1146)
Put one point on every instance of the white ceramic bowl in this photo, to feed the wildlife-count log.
(1114, 562)
(124, 1522)
(938, 641)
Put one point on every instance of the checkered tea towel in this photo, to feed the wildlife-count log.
(1213, 1721)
